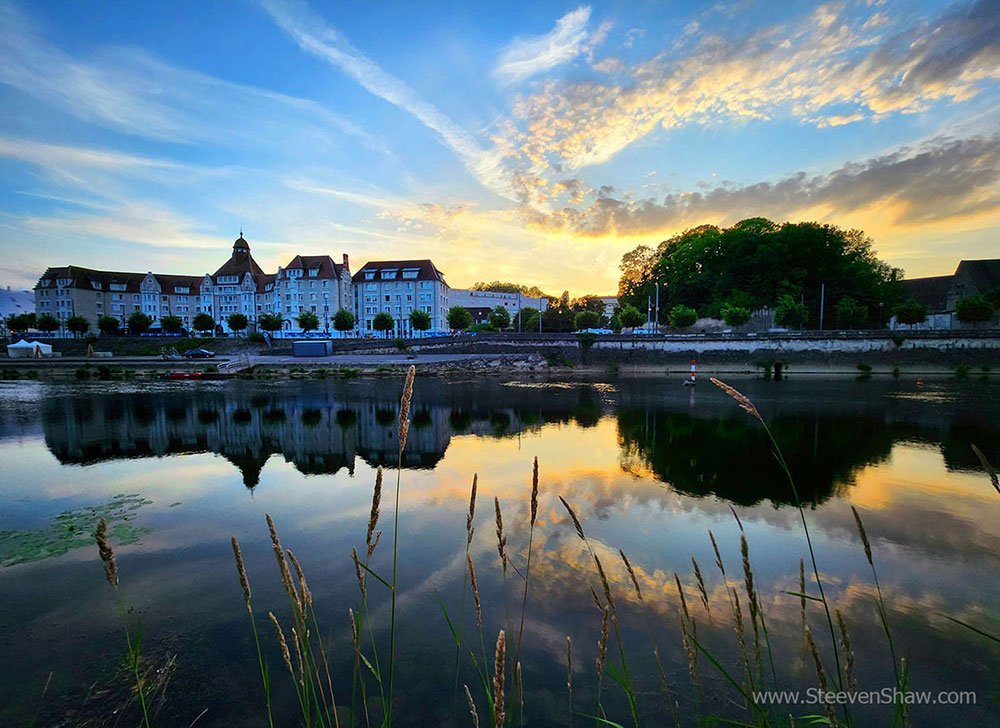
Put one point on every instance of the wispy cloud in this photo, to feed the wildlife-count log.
(940, 180)
(526, 57)
(314, 35)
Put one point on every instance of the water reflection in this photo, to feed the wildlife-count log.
(698, 445)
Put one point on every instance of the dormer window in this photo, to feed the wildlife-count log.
(117, 286)
(313, 272)
(182, 289)
(369, 275)
(63, 282)
(411, 272)
(389, 274)
(96, 285)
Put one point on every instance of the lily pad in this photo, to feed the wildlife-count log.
(74, 529)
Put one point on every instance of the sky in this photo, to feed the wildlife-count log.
(532, 142)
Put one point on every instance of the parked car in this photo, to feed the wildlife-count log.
(595, 331)
(199, 353)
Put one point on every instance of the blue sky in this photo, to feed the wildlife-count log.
(535, 143)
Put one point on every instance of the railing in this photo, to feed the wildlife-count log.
(237, 364)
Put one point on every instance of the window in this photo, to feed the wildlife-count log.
(313, 272)
(410, 272)
(117, 286)
(182, 289)
(96, 285)
(62, 282)
(369, 275)
(388, 274)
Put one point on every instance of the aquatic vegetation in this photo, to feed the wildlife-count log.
(73, 529)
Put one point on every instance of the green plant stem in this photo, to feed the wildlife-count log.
(387, 719)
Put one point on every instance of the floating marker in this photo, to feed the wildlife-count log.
(694, 375)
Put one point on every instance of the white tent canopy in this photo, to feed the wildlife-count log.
(25, 349)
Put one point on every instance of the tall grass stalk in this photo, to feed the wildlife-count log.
(747, 406)
(265, 677)
(132, 644)
(527, 568)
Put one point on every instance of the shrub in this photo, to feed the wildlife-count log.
(681, 316)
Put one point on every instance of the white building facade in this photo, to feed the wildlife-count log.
(398, 287)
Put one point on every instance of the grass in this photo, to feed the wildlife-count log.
(497, 698)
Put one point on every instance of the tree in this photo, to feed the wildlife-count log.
(108, 325)
(504, 287)
(849, 314)
(789, 312)
(343, 320)
(754, 262)
(459, 318)
(78, 325)
(586, 320)
(630, 316)
(420, 320)
(681, 316)
(270, 322)
(203, 322)
(172, 324)
(970, 310)
(47, 323)
(735, 315)
(499, 318)
(308, 321)
(20, 322)
(529, 319)
(911, 312)
(384, 322)
(237, 322)
(139, 323)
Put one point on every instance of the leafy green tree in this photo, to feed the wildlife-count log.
(630, 316)
(459, 318)
(735, 315)
(974, 309)
(790, 313)
(172, 324)
(499, 318)
(203, 322)
(343, 320)
(307, 321)
(420, 320)
(586, 320)
(757, 261)
(47, 323)
(139, 323)
(849, 314)
(911, 312)
(271, 322)
(527, 314)
(108, 325)
(19, 322)
(681, 316)
(237, 322)
(77, 325)
(504, 287)
(383, 322)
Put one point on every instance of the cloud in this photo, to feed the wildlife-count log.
(132, 92)
(526, 57)
(800, 69)
(942, 179)
(313, 35)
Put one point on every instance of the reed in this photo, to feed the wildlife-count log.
(245, 585)
(472, 708)
(501, 538)
(132, 643)
(533, 515)
(499, 668)
(569, 677)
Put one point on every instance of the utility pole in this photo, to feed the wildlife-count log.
(657, 305)
(539, 314)
(649, 310)
(519, 312)
(822, 301)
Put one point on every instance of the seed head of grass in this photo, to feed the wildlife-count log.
(990, 470)
(285, 655)
(741, 399)
(845, 643)
(475, 590)
(534, 492)
(472, 707)
(373, 518)
(864, 535)
(279, 555)
(631, 575)
(404, 407)
(106, 552)
(605, 584)
(718, 556)
(680, 593)
(241, 570)
(472, 509)
(500, 666)
(357, 571)
(701, 585)
(501, 538)
(305, 596)
(602, 640)
(572, 515)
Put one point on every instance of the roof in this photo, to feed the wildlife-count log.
(426, 270)
(240, 262)
(326, 265)
(264, 280)
(14, 301)
(169, 282)
(85, 277)
(931, 292)
(984, 275)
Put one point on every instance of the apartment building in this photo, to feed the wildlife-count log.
(398, 287)
(314, 283)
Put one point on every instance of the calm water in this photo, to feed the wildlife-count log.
(650, 467)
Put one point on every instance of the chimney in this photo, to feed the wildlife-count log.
(347, 265)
